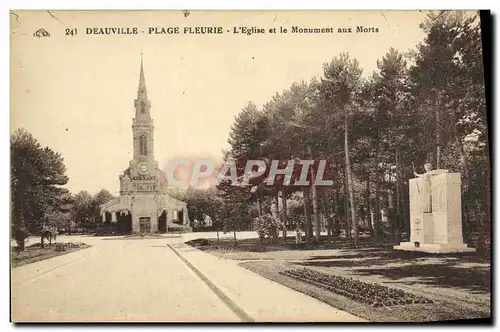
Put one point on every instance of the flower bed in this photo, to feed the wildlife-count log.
(367, 293)
(35, 253)
(61, 244)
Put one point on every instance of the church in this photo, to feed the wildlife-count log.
(143, 205)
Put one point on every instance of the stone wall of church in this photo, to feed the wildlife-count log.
(144, 206)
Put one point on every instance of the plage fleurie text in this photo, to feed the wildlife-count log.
(214, 30)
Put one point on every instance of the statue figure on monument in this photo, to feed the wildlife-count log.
(435, 213)
(424, 186)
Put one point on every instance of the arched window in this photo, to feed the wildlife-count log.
(143, 145)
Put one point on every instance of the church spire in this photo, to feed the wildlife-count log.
(142, 103)
(142, 91)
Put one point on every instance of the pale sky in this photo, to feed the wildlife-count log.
(76, 94)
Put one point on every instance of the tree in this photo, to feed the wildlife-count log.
(60, 212)
(339, 87)
(101, 197)
(448, 70)
(82, 209)
(396, 139)
(427, 105)
(248, 134)
(36, 176)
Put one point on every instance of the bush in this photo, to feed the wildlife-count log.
(173, 228)
(199, 242)
(268, 226)
(105, 231)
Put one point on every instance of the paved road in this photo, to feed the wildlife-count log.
(115, 280)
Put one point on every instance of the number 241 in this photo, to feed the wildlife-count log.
(71, 32)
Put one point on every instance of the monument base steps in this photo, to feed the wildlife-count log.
(434, 248)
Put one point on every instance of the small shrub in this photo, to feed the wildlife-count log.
(199, 242)
(105, 231)
(268, 226)
(173, 228)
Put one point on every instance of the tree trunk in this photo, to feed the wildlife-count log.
(315, 213)
(368, 203)
(460, 145)
(347, 223)
(283, 212)
(41, 241)
(488, 191)
(276, 213)
(362, 216)
(391, 212)
(397, 230)
(376, 219)
(329, 222)
(464, 162)
(259, 207)
(336, 217)
(463, 159)
(307, 214)
(314, 199)
(349, 182)
(263, 209)
(438, 136)
(19, 237)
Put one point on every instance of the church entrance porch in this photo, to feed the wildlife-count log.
(144, 214)
(145, 225)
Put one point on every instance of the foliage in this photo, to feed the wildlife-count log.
(425, 106)
(86, 208)
(173, 228)
(201, 203)
(36, 176)
(268, 227)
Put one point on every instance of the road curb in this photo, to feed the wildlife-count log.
(238, 311)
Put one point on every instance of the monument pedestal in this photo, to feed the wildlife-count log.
(434, 248)
(439, 231)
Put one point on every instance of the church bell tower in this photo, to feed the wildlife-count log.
(143, 163)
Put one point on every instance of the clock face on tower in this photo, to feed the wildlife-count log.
(143, 168)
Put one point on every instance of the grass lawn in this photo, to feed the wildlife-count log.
(372, 281)
(35, 253)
